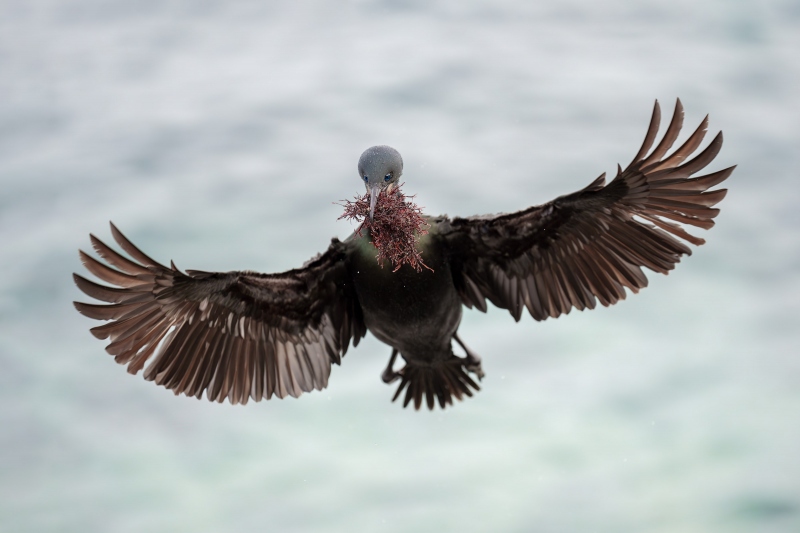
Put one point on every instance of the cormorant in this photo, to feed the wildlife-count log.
(246, 335)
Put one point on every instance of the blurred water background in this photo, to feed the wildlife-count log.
(220, 134)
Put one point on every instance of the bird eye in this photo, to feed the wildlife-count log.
(387, 177)
(366, 178)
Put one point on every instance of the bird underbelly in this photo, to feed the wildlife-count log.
(415, 312)
(415, 327)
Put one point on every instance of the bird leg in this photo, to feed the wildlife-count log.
(389, 375)
(472, 362)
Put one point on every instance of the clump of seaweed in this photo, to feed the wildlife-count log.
(396, 226)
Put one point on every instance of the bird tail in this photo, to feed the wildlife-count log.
(438, 380)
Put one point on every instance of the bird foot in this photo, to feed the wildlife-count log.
(389, 375)
(472, 362)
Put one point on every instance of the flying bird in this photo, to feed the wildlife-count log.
(245, 335)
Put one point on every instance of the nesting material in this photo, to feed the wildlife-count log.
(395, 228)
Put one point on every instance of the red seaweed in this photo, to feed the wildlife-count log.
(396, 227)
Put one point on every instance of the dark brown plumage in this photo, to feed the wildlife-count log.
(244, 335)
(589, 245)
(236, 335)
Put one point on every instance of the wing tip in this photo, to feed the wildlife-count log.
(80, 307)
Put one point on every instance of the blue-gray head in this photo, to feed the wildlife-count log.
(380, 167)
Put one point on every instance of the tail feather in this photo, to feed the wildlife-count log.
(437, 381)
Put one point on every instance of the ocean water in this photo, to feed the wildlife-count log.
(221, 134)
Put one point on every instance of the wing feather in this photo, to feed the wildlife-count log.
(132, 250)
(650, 136)
(235, 335)
(591, 245)
(673, 130)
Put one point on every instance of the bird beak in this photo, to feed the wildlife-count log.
(373, 199)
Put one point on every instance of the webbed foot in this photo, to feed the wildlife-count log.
(472, 362)
(389, 375)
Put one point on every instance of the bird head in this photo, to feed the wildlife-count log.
(380, 167)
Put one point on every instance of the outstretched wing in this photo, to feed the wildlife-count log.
(235, 335)
(592, 244)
